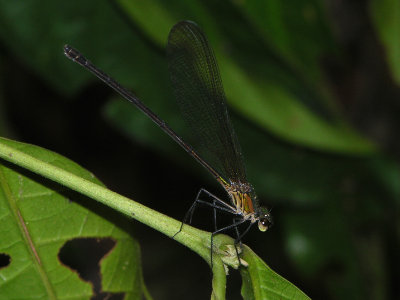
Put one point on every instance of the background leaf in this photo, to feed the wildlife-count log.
(271, 104)
(386, 19)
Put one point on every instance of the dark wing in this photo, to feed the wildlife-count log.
(198, 89)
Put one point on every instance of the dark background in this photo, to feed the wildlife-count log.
(315, 108)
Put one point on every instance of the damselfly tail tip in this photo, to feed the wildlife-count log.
(70, 52)
(67, 49)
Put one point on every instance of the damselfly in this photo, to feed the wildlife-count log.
(198, 89)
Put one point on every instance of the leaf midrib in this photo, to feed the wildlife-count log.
(25, 234)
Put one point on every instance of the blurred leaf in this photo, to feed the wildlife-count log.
(260, 282)
(268, 103)
(386, 172)
(156, 17)
(327, 239)
(309, 244)
(44, 27)
(128, 119)
(142, 11)
(320, 243)
(4, 128)
(386, 19)
(296, 31)
(3, 119)
(39, 217)
(281, 112)
(277, 110)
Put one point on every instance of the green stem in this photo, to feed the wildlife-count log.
(219, 280)
(189, 236)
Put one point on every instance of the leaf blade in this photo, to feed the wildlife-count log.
(261, 282)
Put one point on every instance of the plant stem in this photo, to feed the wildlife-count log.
(189, 236)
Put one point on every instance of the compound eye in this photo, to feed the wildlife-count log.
(263, 225)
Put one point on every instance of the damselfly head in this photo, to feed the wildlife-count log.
(265, 220)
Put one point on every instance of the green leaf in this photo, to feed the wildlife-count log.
(38, 217)
(261, 282)
(385, 16)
